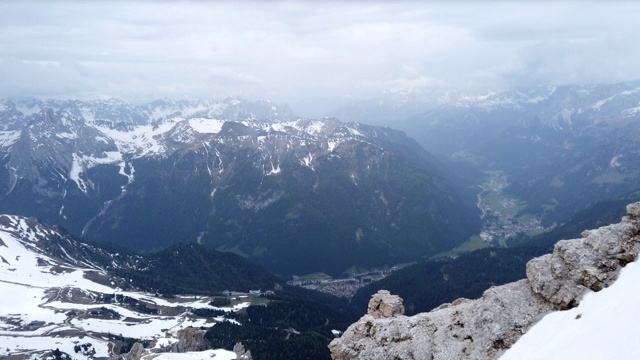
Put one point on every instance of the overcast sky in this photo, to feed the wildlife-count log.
(308, 54)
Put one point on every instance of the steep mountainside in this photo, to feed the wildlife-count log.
(486, 327)
(212, 270)
(69, 298)
(560, 148)
(60, 299)
(296, 195)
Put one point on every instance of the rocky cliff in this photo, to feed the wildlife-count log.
(484, 328)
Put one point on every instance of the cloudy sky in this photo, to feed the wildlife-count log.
(311, 55)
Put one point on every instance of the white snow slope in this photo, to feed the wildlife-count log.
(603, 326)
(39, 294)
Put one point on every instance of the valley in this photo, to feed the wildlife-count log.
(343, 287)
(504, 217)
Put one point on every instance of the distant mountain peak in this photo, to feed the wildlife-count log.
(246, 176)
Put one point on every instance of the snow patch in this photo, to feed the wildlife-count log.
(274, 170)
(8, 138)
(82, 163)
(629, 92)
(331, 145)
(615, 161)
(67, 136)
(260, 202)
(630, 112)
(355, 131)
(130, 176)
(88, 115)
(142, 140)
(308, 161)
(28, 110)
(206, 126)
(599, 103)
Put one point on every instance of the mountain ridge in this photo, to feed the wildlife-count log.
(269, 187)
(560, 148)
(83, 300)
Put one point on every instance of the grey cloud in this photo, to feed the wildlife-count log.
(48, 79)
(304, 52)
(227, 77)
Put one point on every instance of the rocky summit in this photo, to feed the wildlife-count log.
(486, 327)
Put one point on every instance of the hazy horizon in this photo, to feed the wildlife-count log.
(311, 56)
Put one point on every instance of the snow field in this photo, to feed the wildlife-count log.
(28, 278)
(603, 326)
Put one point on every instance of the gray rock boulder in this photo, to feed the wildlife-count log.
(190, 339)
(590, 263)
(136, 352)
(484, 328)
(241, 352)
(385, 305)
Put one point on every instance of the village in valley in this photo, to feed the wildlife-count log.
(345, 287)
(502, 214)
(502, 221)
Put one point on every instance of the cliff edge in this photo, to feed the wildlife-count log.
(486, 327)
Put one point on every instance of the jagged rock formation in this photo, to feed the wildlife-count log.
(136, 352)
(484, 328)
(190, 339)
(385, 305)
(241, 352)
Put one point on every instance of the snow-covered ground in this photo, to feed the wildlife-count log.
(38, 312)
(603, 326)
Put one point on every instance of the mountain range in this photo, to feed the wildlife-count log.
(158, 190)
(297, 195)
(559, 148)
(64, 298)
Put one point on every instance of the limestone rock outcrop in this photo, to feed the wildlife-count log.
(241, 352)
(190, 339)
(385, 305)
(484, 328)
(136, 352)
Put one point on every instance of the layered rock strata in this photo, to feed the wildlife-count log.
(484, 328)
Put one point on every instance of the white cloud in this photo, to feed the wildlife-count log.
(298, 52)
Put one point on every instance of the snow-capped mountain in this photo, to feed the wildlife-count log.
(59, 295)
(566, 101)
(560, 147)
(241, 176)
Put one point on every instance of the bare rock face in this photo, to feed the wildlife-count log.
(484, 328)
(241, 352)
(577, 266)
(136, 352)
(190, 339)
(385, 305)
